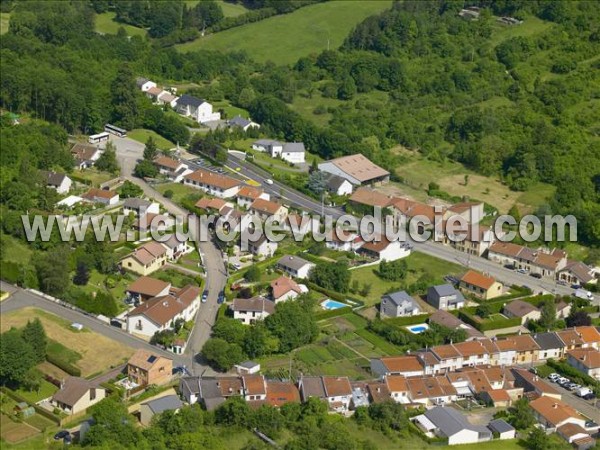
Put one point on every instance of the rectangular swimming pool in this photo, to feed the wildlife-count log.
(332, 304)
(416, 329)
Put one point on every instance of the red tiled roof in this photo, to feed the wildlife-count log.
(477, 279)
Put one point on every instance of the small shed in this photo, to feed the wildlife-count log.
(503, 429)
(24, 409)
(247, 368)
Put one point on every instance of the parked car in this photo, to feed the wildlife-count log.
(204, 296)
(535, 275)
(575, 286)
(525, 271)
(510, 266)
(589, 396)
(221, 297)
(553, 376)
(61, 435)
(562, 381)
(269, 181)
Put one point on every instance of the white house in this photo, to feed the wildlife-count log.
(85, 155)
(247, 195)
(249, 310)
(553, 413)
(247, 368)
(385, 250)
(102, 196)
(159, 313)
(166, 98)
(398, 304)
(175, 247)
(284, 288)
(212, 183)
(262, 246)
(337, 391)
(293, 152)
(243, 123)
(199, 110)
(503, 428)
(295, 266)
(255, 387)
(172, 168)
(137, 206)
(586, 360)
(338, 185)
(76, 395)
(144, 84)
(58, 181)
(447, 422)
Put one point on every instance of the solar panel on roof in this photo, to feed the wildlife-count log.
(152, 359)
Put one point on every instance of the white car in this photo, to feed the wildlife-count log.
(269, 181)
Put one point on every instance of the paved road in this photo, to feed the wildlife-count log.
(508, 277)
(585, 407)
(128, 153)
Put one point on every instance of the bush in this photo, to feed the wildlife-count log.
(59, 362)
(168, 193)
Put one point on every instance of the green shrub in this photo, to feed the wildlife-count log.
(59, 362)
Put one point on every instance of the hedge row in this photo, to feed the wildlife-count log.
(38, 409)
(322, 315)
(334, 295)
(410, 320)
(64, 365)
(575, 375)
(80, 179)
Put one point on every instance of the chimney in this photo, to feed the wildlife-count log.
(555, 405)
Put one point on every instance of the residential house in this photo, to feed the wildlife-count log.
(190, 389)
(145, 259)
(526, 348)
(576, 435)
(479, 285)
(503, 429)
(552, 413)
(249, 310)
(262, 247)
(144, 84)
(293, 152)
(255, 387)
(172, 168)
(212, 204)
(103, 196)
(344, 241)
(445, 319)
(281, 392)
(175, 247)
(571, 339)
(247, 368)
(243, 123)
(533, 384)
(337, 391)
(385, 250)
(576, 272)
(563, 309)
(473, 240)
(378, 392)
(471, 212)
(551, 346)
(212, 183)
(357, 169)
(160, 313)
(337, 185)
(397, 387)
(449, 423)
(284, 288)
(540, 261)
(398, 304)
(267, 145)
(167, 98)
(159, 405)
(210, 392)
(444, 296)
(430, 391)
(145, 368)
(76, 395)
(406, 366)
(153, 93)
(199, 110)
(60, 182)
(523, 310)
(264, 209)
(145, 288)
(247, 195)
(364, 197)
(360, 395)
(295, 266)
(139, 206)
(590, 336)
(85, 155)
(586, 360)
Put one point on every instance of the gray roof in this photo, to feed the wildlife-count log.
(548, 341)
(136, 203)
(140, 81)
(293, 147)
(444, 290)
(267, 142)
(189, 385)
(240, 121)
(500, 426)
(293, 262)
(54, 178)
(400, 297)
(312, 387)
(186, 100)
(172, 242)
(248, 364)
(334, 181)
(167, 403)
(445, 319)
(449, 421)
(519, 308)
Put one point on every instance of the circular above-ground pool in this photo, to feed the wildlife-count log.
(419, 328)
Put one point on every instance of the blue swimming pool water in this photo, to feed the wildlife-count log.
(416, 329)
(332, 304)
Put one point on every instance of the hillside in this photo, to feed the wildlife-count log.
(284, 39)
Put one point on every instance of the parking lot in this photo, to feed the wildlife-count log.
(589, 407)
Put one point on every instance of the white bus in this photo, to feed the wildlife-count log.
(97, 138)
(115, 130)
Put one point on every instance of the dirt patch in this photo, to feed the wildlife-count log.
(14, 432)
(98, 352)
(368, 313)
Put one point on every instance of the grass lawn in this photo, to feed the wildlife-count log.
(40, 422)
(16, 251)
(97, 283)
(105, 23)
(180, 191)
(142, 135)
(530, 27)
(47, 389)
(96, 177)
(285, 38)
(230, 110)
(4, 22)
(418, 172)
(98, 353)
(418, 264)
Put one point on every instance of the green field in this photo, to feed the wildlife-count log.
(105, 23)
(4, 22)
(142, 135)
(283, 39)
(418, 265)
(179, 191)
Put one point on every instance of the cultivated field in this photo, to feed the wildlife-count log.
(283, 39)
(98, 352)
(13, 432)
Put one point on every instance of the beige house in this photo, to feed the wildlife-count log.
(145, 368)
(264, 209)
(586, 360)
(145, 259)
(76, 395)
(524, 310)
(480, 285)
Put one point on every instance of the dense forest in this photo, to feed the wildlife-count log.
(523, 109)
